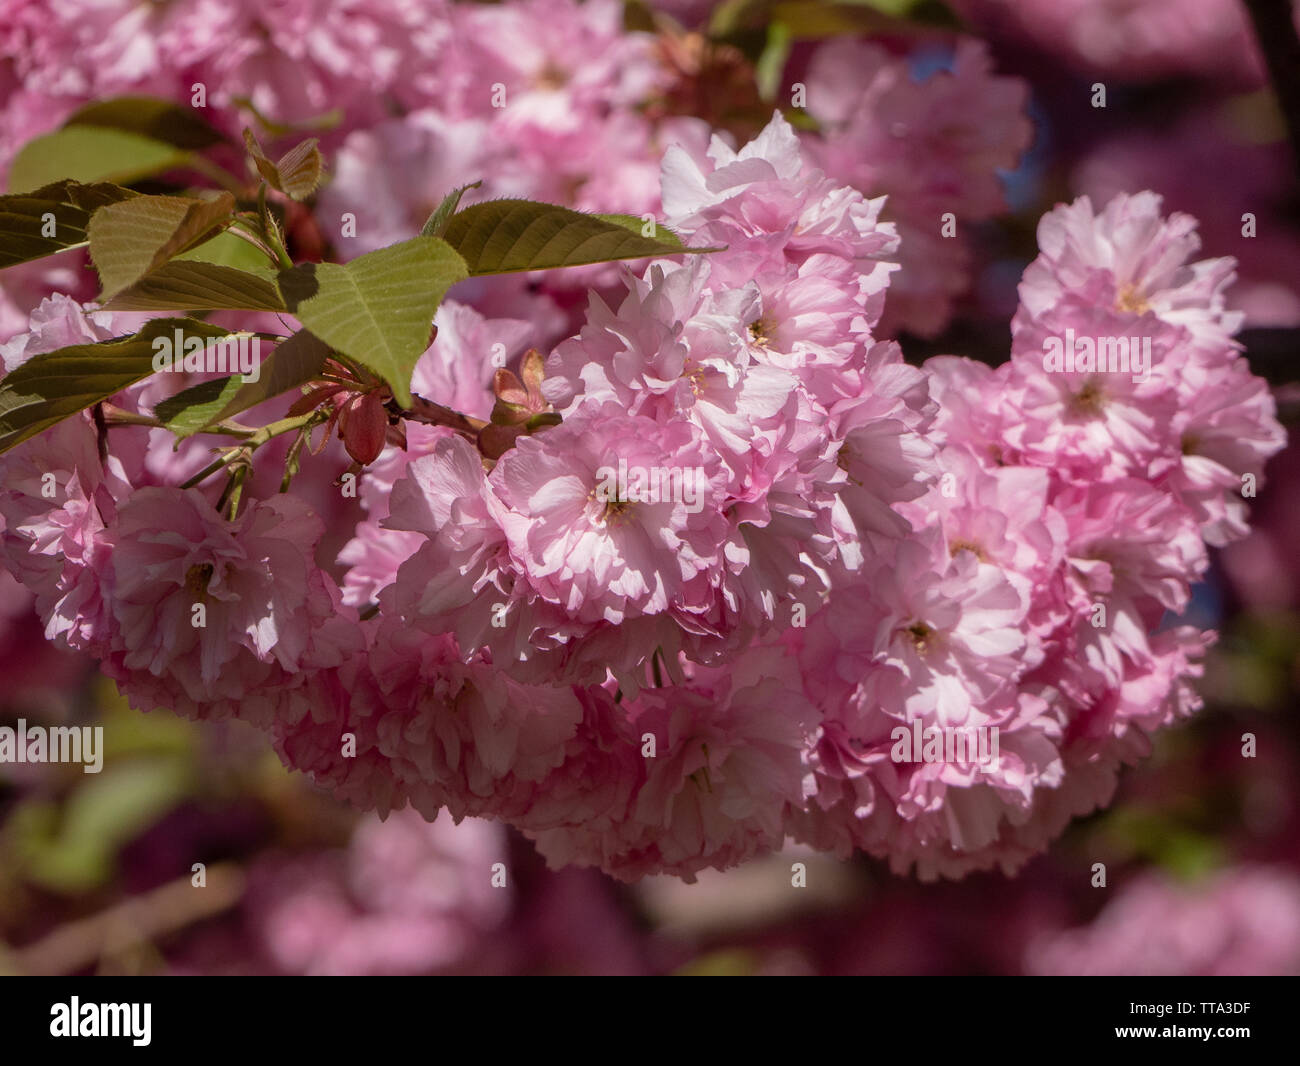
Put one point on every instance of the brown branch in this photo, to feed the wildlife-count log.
(77, 945)
(434, 414)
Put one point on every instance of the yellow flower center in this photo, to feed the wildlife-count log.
(1089, 399)
(960, 545)
(761, 331)
(197, 579)
(1130, 298)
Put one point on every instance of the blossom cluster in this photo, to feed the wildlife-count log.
(404, 898)
(1037, 589)
(934, 146)
(690, 617)
(1140, 40)
(667, 684)
(1237, 921)
(550, 100)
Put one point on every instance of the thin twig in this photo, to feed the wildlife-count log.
(115, 416)
(237, 230)
(218, 174)
(176, 905)
(254, 441)
(434, 414)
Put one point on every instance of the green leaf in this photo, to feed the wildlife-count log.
(506, 236)
(637, 225)
(227, 249)
(128, 733)
(732, 15)
(294, 362)
(194, 409)
(90, 154)
(378, 308)
(327, 121)
(198, 225)
(132, 238)
(149, 116)
(73, 850)
(437, 222)
(50, 387)
(815, 19)
(810, 20)
(771, 64)
(24, 218)
(189, 286)
(897, 8)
